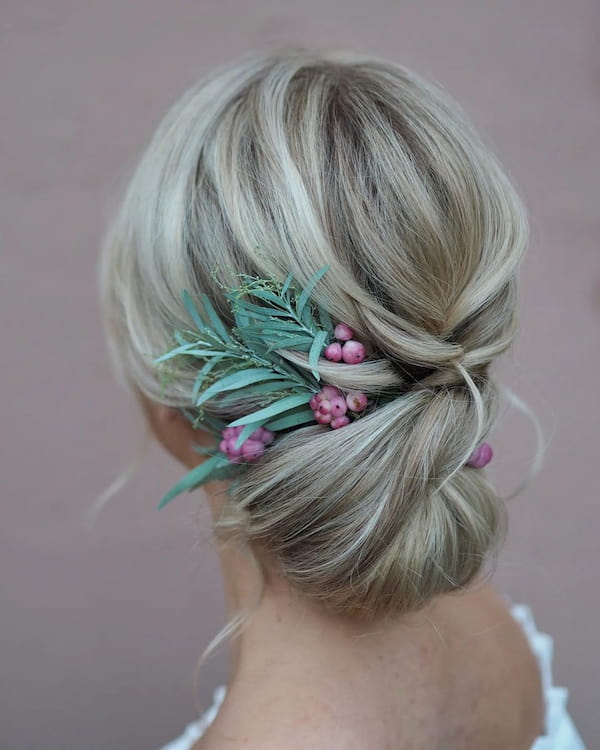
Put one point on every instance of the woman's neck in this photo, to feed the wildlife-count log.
(286, 627)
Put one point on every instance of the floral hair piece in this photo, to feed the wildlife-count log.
(244, 361)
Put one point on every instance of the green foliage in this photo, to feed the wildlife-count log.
(245, 362)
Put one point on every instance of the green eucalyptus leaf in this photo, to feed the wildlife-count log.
(325, 320)
(279, 328)
(257, 390)
(197, 476)
(267, 296)
(208, 366)
(263, 311)
(284, 404)
(214, 318)
(286, 283)
(291, 420)
(315, 352)
(246, 432)
(203, 352)
(308, 289)
(192, 311)
(180, 339)
(238, 380)
(295, 342)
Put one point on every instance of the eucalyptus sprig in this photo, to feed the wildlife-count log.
(269, 316)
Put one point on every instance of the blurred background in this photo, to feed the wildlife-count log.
(101, 629)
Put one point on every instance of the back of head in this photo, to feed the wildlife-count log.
(285, 162)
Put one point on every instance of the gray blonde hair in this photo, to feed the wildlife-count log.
(289, 160)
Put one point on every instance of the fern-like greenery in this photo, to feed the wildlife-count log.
(244, 361)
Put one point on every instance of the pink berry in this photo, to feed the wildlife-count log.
(231, 449)
(268, 436)
(323, 418)
(324, 407)
(333, 352)
(343, 332)
(356, 400)
(229, 432)
(330, 391)
(313, 403)
(339, 422)
(481, 456)
(252, 449)
(223, 446)
(256, 435)
(353, 352)
(338, 406)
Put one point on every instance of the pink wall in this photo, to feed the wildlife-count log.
(100, 631)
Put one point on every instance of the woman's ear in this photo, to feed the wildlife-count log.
(175, 432)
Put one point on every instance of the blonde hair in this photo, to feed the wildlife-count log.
(289, 160)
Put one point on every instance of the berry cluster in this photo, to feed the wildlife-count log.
(251, 449)
(330, 405)
(350, 351)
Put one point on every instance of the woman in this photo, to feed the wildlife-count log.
(353, 513)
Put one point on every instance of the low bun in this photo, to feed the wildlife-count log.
(380, 516)
(286, 162)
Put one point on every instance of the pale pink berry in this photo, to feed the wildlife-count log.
(313, 403)
(252, 449)
(338, 406)
(323, 418)
(343, 332)
(268, 436)
(356, 400)
(330, 391)
(229, 432)
(353, 352)
(340, 421)
(334, 352)
(256, 435)
(324, 407)
(223, 446)
(481, 456)
(231, 449)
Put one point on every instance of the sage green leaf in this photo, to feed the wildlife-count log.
(197, 476)
(238, 380)
(246, 432)
(263, 311)
(291, 420)
(202, 352)
(267, 296)
(280, 326)
(257, 390)
(214, 318)
(286, 283)
(325, 319)
(308, 289)
(307, 317)
(179, 338)
(284, 404)
(193, 312)
(315, 352)
(208, 366)
(295, 342)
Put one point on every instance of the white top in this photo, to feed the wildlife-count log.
(560, 732)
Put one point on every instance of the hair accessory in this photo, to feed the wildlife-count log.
(248, 361)
(481, 456)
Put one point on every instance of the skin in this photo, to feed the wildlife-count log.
(458, 675)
